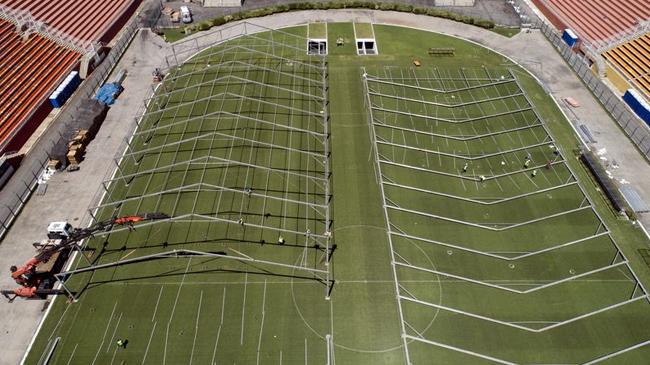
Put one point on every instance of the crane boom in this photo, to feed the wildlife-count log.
(26, 275)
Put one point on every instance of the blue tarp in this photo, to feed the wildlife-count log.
(108, 93)
(638, 104)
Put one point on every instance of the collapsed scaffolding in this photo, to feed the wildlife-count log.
(399, 125)
(257, 95)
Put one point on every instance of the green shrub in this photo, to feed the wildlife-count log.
(204, 25)
(419, 11)
(219, 21)
(487, 24)
(404, 8)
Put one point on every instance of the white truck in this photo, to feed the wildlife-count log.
(186, 16)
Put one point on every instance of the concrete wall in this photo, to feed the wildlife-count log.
(454, 3)
(221, 3)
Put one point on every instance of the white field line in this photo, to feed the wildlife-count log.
(243, 310)
(216, 342)
(72, 355)
(146, 351)
(458, 156)
(506, 258)
(487, 226)
(105, 332)
(114, 353)
(171, 316)
(372, 78)
(467, 352)
(196, 326)
(259, 342)
(477, 201)
(114, 331)
(531, 290)
(511, 324)
(387, 220)
(157, 302)
(614, 354)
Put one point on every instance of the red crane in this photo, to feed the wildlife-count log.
(34, 284)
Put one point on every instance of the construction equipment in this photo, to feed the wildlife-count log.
(36, 276)
(157, 75)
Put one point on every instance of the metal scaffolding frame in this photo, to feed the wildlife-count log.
(381, 117)
(265, 72)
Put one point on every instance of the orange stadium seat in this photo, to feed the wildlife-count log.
(31, 68)
(633, 60)
(597, 20)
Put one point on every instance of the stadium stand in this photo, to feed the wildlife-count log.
(30, 69)
(34, 61)
(596, 20)
(633, 60)
(89, 20)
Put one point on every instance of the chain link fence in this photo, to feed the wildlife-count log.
(633, 127)
(24, 181)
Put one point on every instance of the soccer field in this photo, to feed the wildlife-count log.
(354, 209)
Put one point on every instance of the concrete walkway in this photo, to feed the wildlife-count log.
(530, 50)
(69, 194)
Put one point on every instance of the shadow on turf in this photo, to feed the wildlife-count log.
(104, 250)
(181, 271)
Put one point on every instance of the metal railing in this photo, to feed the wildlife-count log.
(633, 126)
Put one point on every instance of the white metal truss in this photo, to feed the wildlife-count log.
(306, 83)
(402, 294)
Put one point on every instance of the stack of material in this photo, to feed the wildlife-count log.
(77, 146)
(85, 125)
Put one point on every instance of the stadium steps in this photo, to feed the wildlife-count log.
(633, 60)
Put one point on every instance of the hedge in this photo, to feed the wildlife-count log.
(405, 8)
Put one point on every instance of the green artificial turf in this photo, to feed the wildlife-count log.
(506, 32)
(364, 30)
(317, 31)
(458, 244)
